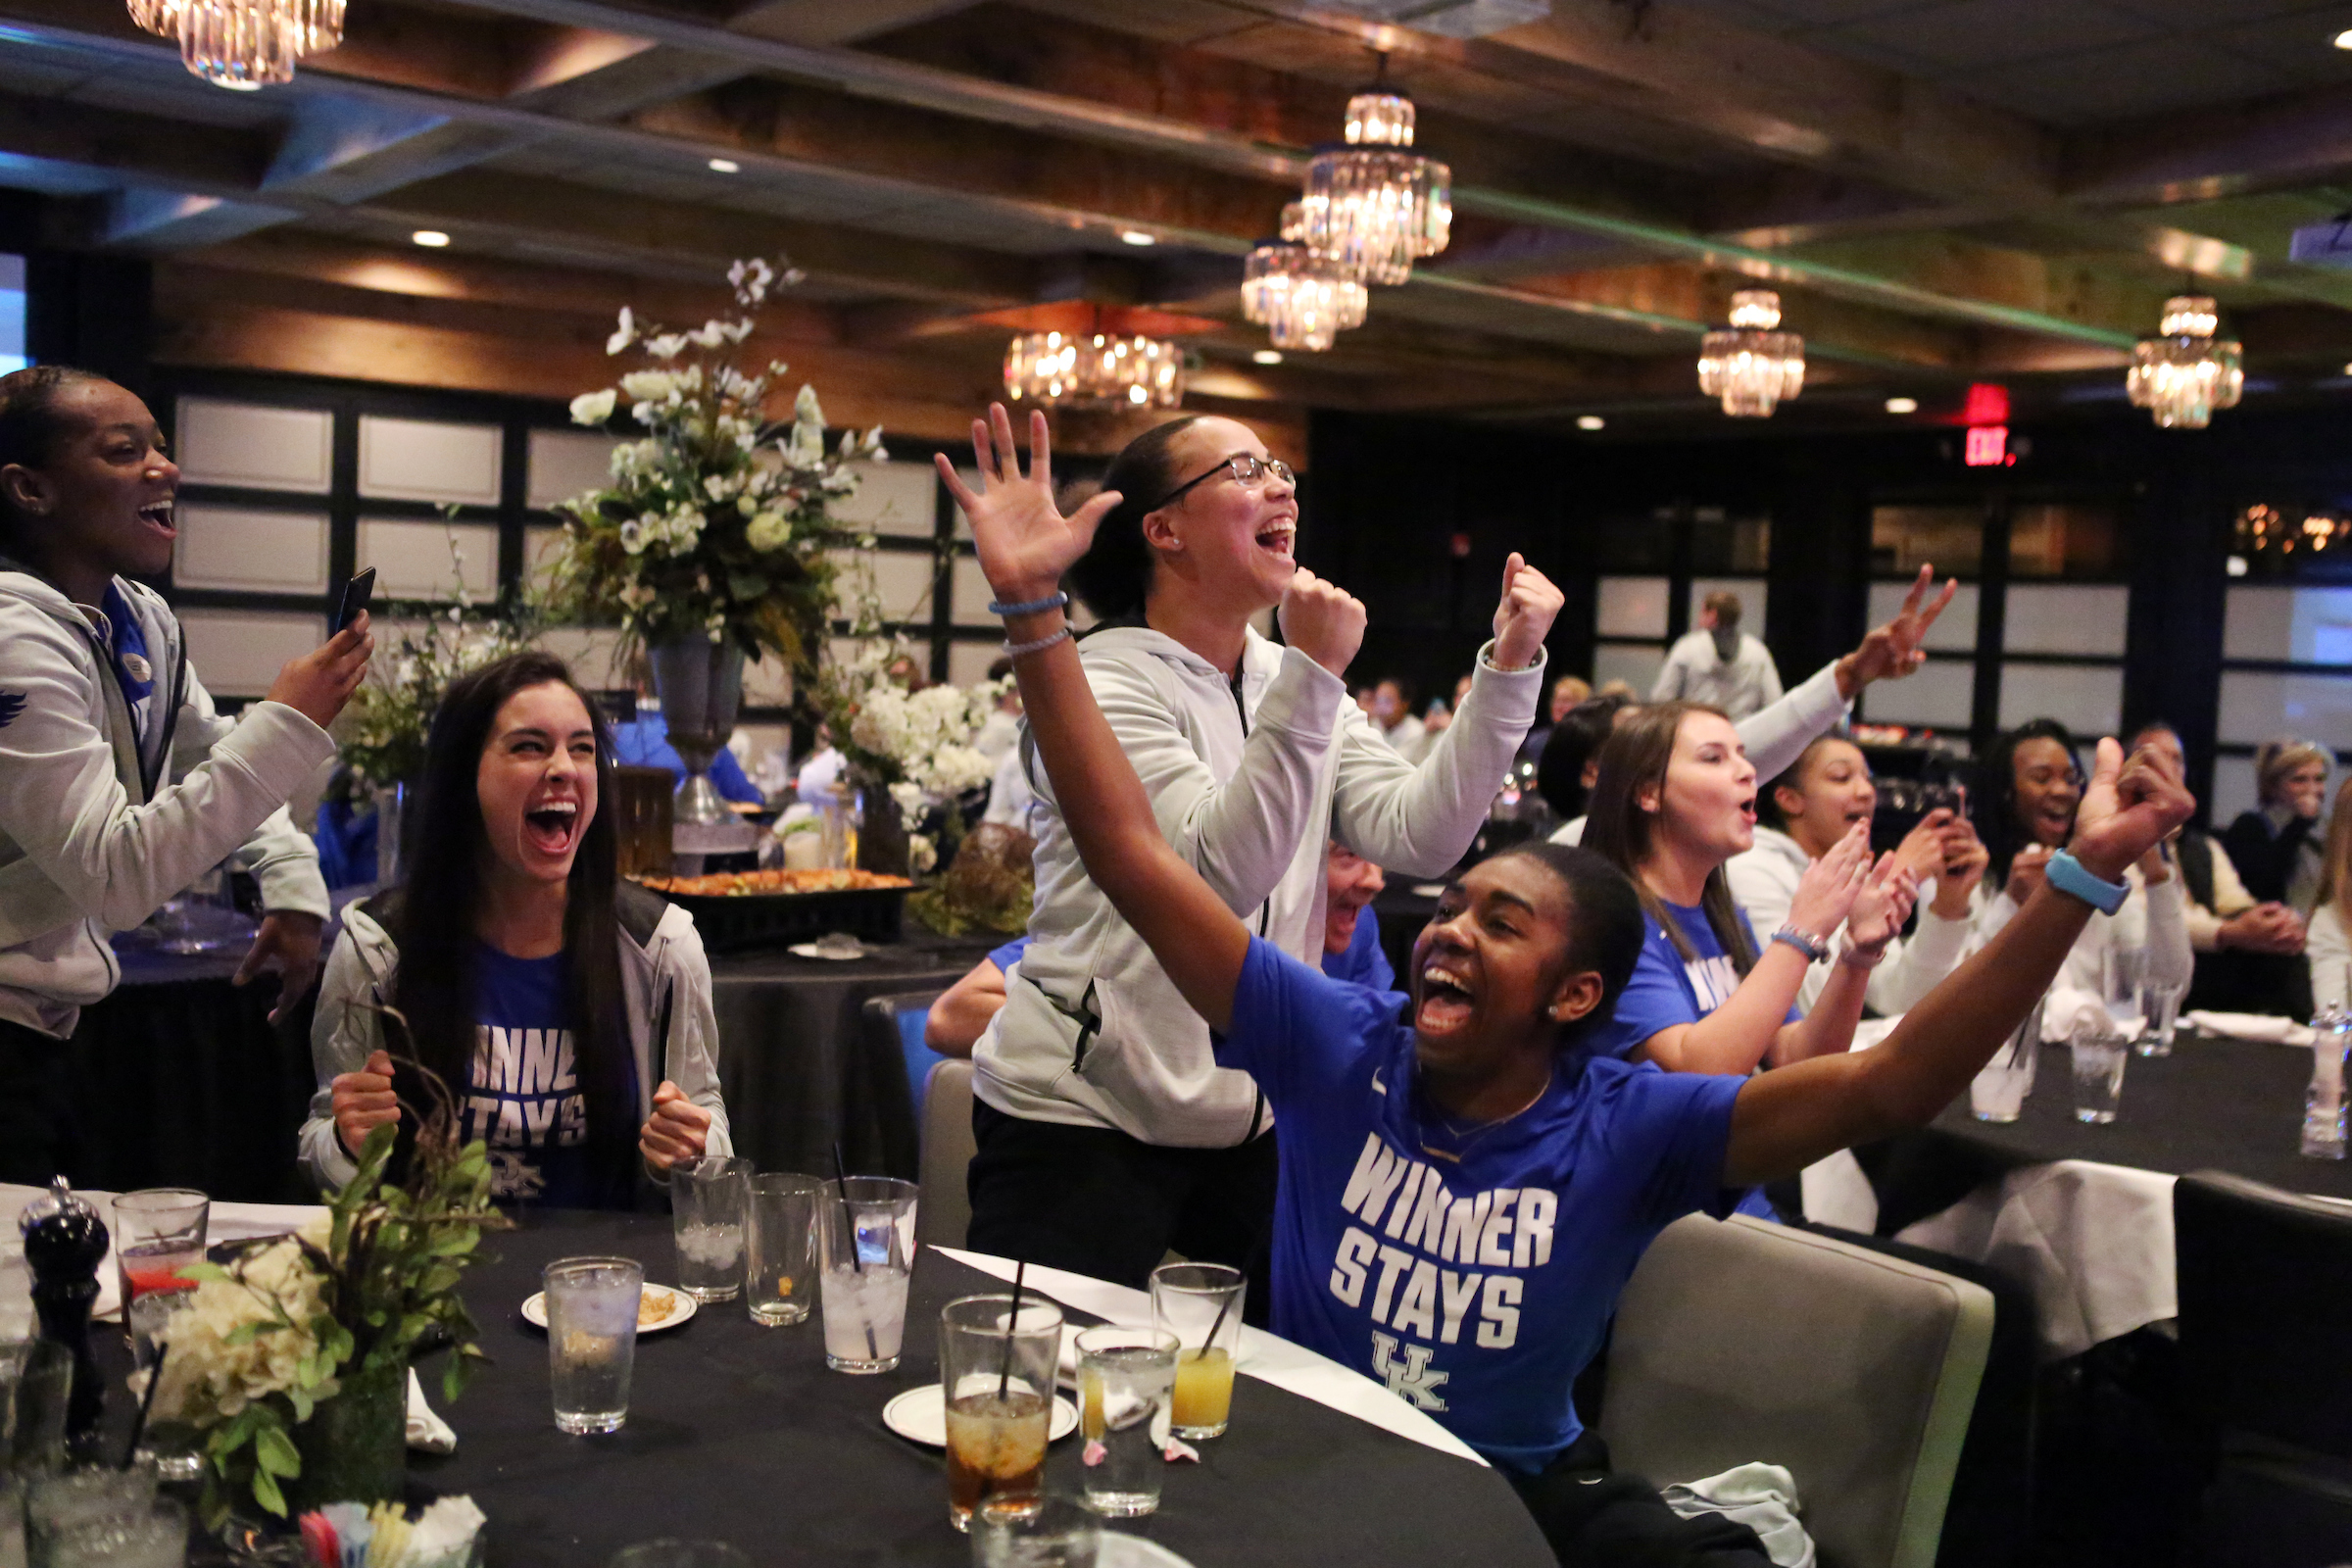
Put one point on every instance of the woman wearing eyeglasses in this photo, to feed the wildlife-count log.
(2025, 799)
(1107, 1134)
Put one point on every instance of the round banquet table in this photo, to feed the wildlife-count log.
(792, 1066)
(2080, 1215)
(740, 1432)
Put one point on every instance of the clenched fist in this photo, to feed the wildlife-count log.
(1524, 617)
(677, 1130)
(1322, 621)
(363, 1100)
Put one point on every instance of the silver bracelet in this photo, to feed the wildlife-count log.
(1805, 942)
(1016, 650)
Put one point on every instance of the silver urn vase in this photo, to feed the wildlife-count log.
(701, 686)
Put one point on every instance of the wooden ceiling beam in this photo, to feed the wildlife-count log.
(2198, 155)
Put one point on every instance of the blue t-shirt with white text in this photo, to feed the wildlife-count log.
(1474, 1276)
(1363, 962)
(524, 1096)
(1665, 990)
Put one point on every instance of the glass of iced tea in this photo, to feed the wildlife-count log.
(158, 1232)
(1200, 1303)
(996, 1368)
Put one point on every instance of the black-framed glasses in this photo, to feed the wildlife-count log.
(1244, 468)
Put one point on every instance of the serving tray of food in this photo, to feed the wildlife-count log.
(741, 910)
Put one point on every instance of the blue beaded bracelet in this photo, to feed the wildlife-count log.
(1034, 607)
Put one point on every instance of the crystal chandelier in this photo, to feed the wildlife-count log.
(2184, 373)
(1371, 206)
(1106, 367)
(1305, 300)
(1748, 364)
(243, 44)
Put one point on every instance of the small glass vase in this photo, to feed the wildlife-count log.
(355, 1447)
(881, 833)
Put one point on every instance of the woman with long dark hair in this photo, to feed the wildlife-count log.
(2028, 789)
(567, 1013)
(1107, 1133)
(123, 785)
(1675, 801)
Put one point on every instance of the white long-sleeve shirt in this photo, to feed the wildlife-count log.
(1695, 672)
(1248, 778)
(2327, 953)
(1764, 883)
(2152, 918)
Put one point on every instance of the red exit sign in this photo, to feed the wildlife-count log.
(1989, 446)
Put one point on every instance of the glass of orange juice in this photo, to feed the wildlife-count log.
(1200, 1303)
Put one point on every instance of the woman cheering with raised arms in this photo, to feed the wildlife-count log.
(1107, 1133)
(1463, 1196)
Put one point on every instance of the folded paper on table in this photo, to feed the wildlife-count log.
(2261, 1027)
(1267, 1358)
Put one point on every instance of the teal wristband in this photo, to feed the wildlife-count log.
(2068, 876)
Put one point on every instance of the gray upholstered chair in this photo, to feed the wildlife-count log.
(1742, 1341)
(941, 1218)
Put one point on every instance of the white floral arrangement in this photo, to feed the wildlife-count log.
(714, 523)
(244, 1336)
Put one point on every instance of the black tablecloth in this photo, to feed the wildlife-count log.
(740, 1432)
(180, 1080)
(2212, 1105)
(794, 1073)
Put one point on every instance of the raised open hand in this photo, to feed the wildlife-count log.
(1524, 615)
(2129, 806)
(1025, 542)
(1892, 651)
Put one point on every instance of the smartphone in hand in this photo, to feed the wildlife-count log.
(356, 595)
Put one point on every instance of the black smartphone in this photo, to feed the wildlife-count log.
(356, 594)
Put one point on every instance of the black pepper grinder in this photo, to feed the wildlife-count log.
(65, 1242)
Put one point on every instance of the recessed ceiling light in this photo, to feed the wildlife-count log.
(1589, 422)
(432, 239)
(1902, 405)
(725, 165)
(1136, 236)
(2343, 40)
(2348, 370)
(1266, 357)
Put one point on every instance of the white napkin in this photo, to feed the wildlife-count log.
(1761, 1497)
(427, 1432)
(2256, 1026)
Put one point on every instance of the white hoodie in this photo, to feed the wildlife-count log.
(92, 839)
(1248, 777)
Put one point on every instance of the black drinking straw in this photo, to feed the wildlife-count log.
(138, 1424)
(1209, 1343)
(841, 1179)
(1020, 1272)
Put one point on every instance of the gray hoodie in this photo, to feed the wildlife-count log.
(106, 812)
(1248, 778)
(664, 986)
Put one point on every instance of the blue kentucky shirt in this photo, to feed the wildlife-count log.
(524, 1096)
(1472, 1275)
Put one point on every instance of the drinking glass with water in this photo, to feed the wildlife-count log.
(2099, 1047)
(706, 1207)
(1126, 1404)
(592, 1340)
(865, 1240)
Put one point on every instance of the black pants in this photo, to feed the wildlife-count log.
(1596, 1518)
(39, 1135)
(1097, 1201)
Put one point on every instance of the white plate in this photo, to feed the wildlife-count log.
(681, 1307)
(1122, 1550)
(920, 1415)
(810, 950)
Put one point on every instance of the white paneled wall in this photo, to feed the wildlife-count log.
(767, 682)
(1755, 596)
(425, 459)
(967, 662)
(564, 463)
(2291, 626)
(412, 559)
(2087, 699)
(540, 548)
(1954, 632)
(973, 594)
(901, 579)
(245, 548)
(1637, 668)
(898, 499)
(257, 446)
(239, 653)
(2048, 619)
(593, 653)
(2234, 790)
(1633, 606)
(2257, 707)
(1940, 694)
